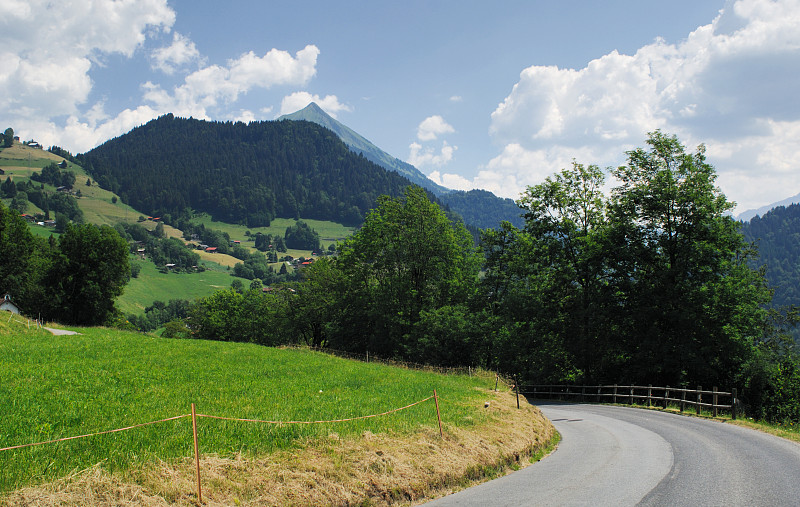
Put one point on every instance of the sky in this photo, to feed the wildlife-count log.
(476, 94)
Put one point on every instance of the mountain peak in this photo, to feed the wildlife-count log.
(359, 144)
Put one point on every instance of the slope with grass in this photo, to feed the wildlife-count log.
(60, 386)
(103, 207)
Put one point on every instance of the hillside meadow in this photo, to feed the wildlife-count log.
(60, 386)
(20, 161)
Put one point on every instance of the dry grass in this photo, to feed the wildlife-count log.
(371, 469)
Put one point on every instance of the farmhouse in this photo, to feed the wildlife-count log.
(7, 305)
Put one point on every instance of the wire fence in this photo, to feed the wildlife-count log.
(195, 416)
(369, 357)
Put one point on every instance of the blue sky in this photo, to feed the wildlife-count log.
(476, 94)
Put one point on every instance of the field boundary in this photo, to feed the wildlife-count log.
(194, 416)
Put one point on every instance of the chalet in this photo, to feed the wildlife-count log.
(211, 249)
(169, 266)
(7, 305)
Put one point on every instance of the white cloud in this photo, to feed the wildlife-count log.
(426, 157)
(456, 98)
(731, 84)
(298, 100)
(217, 85)
(432, 127)
(48, 51)
(181, 52)
(49, 48)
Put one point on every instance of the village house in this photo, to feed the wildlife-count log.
(7, 305)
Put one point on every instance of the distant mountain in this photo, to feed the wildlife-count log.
(240, 173)
(747, 215)
(359, 144)
(479, 208)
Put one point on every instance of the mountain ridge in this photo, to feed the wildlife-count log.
(359, 144)
(479, 208)
(747, 215)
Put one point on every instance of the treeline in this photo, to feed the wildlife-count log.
(62, 206)
(648, 285)
(73, 279)
(481, 209)
(777, 236)
(158, 248)
(240, 173)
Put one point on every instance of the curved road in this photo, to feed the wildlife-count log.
(626, 456)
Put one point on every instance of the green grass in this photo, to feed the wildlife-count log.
(152, 285)
(59, 386)
(329, 232)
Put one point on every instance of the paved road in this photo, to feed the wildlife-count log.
(625, 456)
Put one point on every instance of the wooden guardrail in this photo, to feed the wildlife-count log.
(632, 394)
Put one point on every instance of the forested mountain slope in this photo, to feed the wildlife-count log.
(777, 235)
(240, 173)
(479, 208)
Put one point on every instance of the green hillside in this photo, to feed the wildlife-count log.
(103, 207)
(248, 174)
(101, 379)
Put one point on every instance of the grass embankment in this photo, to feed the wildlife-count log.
(58, 386)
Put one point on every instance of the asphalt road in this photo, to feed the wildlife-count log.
(626, 456)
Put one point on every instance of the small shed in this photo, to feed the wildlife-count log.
(7, 305)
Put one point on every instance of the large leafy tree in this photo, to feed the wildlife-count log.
(694, 309)
(23, 260)
(651, 285)
(547, 280)
(90, 271)
(406, 259)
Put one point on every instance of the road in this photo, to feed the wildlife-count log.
(626, 456)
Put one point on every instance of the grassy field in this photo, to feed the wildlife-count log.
(152, 285)
(329, 232)
(60, 386)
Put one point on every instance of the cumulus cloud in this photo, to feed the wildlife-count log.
(181, 52)
(425, 156)
(215, 85)
(730, 84)
(49, 47)
(432, 127)
(298, 100)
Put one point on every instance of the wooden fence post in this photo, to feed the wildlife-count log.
(496, 378)
(196, 454)
(438, 415)
(615, 394)
(666, 397)
(599, 388)
(699, 398)
(683, 399)
(649, 395)
(630, 401)
(516, 388)
(714, 403)
(733, 404)
(583, 394)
